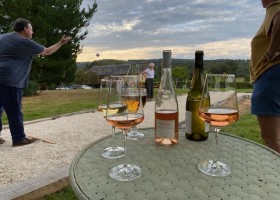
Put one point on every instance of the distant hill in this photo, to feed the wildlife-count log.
(82, 64)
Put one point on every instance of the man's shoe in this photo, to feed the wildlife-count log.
(23, 142)
(2, 141)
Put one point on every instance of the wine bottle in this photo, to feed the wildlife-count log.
(166, 107)
(196, 128)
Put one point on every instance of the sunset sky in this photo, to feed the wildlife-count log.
(132, 29)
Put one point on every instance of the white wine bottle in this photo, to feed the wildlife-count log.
(196, 128)
(166, 108)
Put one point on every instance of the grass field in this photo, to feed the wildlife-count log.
(51, 103)
(56, 102)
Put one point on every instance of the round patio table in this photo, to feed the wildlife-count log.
(171, 173)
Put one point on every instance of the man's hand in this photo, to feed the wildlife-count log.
(65, 39)
(50, 50)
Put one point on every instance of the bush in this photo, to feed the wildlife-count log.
(32, 89)
(243, 85)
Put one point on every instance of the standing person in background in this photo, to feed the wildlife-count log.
(265, 73)
(16, 53)
(149, 74)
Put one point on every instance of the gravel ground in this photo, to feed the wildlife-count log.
(70, 133)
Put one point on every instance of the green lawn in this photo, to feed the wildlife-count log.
(56, 102)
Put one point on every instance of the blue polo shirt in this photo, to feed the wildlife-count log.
(16, 54)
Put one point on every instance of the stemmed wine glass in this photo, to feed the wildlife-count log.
(218, 107)
(134, 133)
(131, 116)
(115, 86)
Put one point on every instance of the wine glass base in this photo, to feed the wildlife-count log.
(125, 172)
(218, 170)
(113, 152)
(135, 135)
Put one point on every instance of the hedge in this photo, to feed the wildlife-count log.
(184, 84)
(32, 89)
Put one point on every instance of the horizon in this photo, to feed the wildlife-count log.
(161, 59)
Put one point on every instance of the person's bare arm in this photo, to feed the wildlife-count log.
(50, 50)
(144, 74)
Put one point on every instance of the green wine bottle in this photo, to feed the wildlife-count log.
(196, 128)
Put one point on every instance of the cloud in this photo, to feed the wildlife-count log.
(126, 29)
(100, 30)
(233, 49)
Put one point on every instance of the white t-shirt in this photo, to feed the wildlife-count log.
(150, 73)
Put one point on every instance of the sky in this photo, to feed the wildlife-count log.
(133, 29)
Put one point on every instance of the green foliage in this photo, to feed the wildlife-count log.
(105, 62)
(50, 20)
(227, 66)
(10, 10)
(243, 85)
(32, 89)
(180, 73)
(238, 67)
(65, 194)
(84, 76)
(246, 127)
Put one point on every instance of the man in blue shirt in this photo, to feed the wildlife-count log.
(16, 53)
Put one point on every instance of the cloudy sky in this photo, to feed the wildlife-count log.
(133, 29)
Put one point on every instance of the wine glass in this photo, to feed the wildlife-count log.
(134, 133)
(115, 87)
(131, 116)
(218, 107)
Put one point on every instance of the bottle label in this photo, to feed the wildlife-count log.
(165, 128)
(207, 126)
(188, 121)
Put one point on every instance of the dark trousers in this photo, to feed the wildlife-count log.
(149, 84)
(10, 100)
(1, 113)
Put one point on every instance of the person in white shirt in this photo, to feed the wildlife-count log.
(149, 74)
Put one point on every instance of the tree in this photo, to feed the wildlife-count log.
(105, 62)
(50, 20)
(224, 66)
(180, 74)
(84, 76)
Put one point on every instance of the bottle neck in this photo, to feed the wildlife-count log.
(166, 75)
(197, 79)
(198, 64)
(166, 82)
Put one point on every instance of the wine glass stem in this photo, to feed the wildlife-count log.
(216, 153)
(114, 135)
(134, 130)
(125, 151)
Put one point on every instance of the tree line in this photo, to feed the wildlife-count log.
(181, 70)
